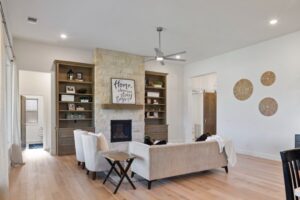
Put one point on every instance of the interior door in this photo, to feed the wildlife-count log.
(34, 120)
(23, 122)
(210, 112)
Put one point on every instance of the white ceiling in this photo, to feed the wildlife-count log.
(204, 28)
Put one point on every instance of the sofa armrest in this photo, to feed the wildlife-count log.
(141, 164)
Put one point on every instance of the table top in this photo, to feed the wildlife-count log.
(117, 155)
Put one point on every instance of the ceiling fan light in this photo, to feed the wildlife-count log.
(177, 56)
(159, 58)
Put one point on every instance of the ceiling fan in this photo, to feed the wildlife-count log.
(160, 55)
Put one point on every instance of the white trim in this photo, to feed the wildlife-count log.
(259, 154)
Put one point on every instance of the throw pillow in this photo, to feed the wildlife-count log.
(159, 142)
(102, 144)
(148, 140)
(203, 137)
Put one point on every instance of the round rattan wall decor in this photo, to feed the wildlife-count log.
(243, 89)
(268, 106)
(268, 78)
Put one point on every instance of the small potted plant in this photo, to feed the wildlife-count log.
(158, 84)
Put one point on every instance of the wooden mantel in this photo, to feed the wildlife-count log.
(112, 106)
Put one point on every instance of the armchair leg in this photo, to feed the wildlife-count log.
(78, 163)
(149, 185)
(226, 169)
(87, 172)
(132, 174)
(83, 165)
(94, 175)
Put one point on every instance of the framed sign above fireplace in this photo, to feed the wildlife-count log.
(122, 91)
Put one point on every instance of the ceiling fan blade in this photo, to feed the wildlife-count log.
(149, 59)
(162, 62)
(175, 54)
(174, 59)
(158, 52)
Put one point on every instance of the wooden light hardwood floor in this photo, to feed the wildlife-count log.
(45, 177)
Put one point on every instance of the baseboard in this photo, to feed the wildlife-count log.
(259, 154)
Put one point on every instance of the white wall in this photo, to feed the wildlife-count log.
(206, 82)
(37, 56)
(39, 84)
(174, 97)
(251, 132)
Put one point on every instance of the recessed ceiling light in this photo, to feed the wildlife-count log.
(273, 22)
(32, 20)
(177, 56)
(63, 36)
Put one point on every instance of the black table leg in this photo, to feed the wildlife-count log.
(114, 168)
(124, 174)
(111, 169)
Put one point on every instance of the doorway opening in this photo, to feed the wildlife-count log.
(204, 104)
(35, 97)
(32, 129)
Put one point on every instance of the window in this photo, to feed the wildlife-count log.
(32, 111)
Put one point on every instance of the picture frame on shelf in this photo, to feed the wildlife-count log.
(71, 107)
(79, 76)
(70, 89)
(150, 115)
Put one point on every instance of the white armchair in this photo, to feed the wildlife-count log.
(94, 161)
(79, 147)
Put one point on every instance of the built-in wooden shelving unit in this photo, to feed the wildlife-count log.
(156, 105)
(77, 112)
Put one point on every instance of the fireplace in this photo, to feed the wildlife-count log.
(121, 130)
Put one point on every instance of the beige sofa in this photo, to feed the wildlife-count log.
(162, 161)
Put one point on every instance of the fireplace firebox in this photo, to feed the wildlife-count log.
(121, 130)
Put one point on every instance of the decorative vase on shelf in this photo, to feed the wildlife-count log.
(70, 75)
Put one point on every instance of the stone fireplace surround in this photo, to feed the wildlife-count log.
(113, 64)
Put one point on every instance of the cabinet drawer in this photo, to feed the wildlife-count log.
(66, 149)
(158, 136)
(156, 128)
(66, 141)
(68, 132)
